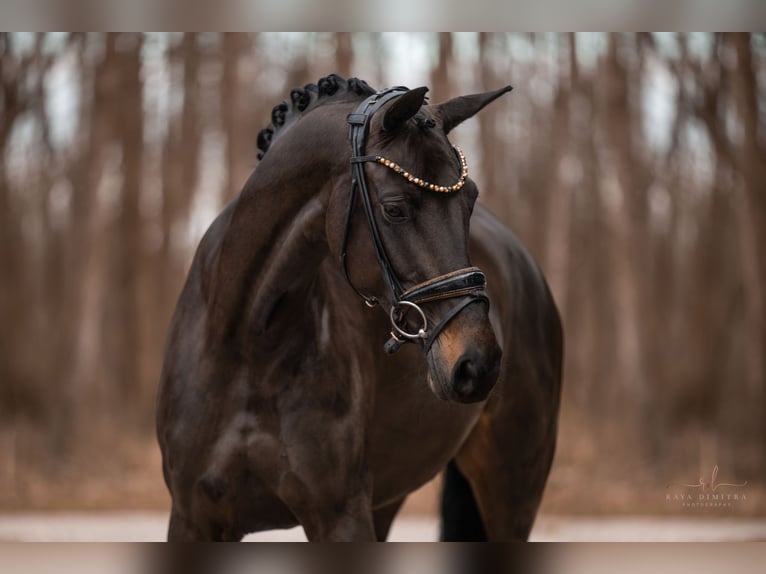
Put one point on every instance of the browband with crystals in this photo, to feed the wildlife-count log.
(424, 184)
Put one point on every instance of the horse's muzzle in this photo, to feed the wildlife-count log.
(475, 374)
(464, 364)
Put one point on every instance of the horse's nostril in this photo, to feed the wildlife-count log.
(466, 371)
(473, 377)
(465, 378)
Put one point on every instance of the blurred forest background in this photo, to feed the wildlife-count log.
(632, 165)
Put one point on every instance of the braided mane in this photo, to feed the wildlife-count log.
(303, 99)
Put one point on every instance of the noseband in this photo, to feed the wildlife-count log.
(467, 284)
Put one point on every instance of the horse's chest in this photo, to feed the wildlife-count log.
(412, 436)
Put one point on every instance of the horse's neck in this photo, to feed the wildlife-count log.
(268, 260)
(275, 242)
(291, 266)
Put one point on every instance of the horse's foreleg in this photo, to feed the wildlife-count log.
(181, 530)
(208, 529)
(332, 504)
(339, 521)
(384, 517)
(460, 517)
(507, 471)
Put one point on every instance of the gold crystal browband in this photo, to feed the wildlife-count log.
(424, 184)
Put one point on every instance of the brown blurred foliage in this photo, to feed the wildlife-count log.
(632, 165)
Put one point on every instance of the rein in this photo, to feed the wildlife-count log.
(467, 284)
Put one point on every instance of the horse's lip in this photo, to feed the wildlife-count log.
(437, 389)
(434, 382)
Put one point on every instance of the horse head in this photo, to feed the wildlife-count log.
(417, 200)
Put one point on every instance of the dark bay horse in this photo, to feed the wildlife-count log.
(278, 405)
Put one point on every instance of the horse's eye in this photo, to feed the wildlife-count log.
(394, 212)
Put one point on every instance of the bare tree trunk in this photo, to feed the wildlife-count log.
(299, 70)
(344, 53)
(87, 244)
(378, 70)
(492, 164)
(237, 124)
(127, 253)
(752, 163)
(568, 173)
(626, 242)
(591, 354)
(11, 245)
(180, 169)
(180, 174)
(441, 85)
(47, 271)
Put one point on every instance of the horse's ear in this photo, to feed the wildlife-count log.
(403, 108)
(453, 112)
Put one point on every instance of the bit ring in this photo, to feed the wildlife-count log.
(422, 332)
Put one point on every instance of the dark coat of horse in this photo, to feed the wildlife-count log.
(277, 405)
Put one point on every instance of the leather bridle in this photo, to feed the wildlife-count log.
(467, 284)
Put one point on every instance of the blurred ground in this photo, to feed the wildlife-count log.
(122, 497)
(110, 489)
(151, 526)
(386, 559)
(106, 474)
